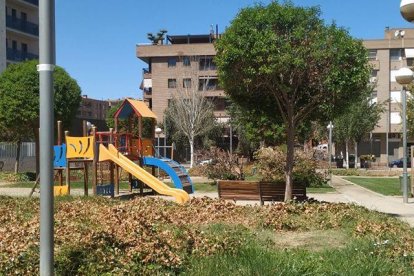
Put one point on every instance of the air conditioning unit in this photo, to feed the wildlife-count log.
(373, 79)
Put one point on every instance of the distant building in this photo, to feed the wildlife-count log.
(386, 56)
(93, 111)
(173, 64)
(19, 31)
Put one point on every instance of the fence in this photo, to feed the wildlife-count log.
(27, 158)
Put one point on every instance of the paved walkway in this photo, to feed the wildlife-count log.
(392, 205)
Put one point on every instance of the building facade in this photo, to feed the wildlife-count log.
(93, 111)
(182, 61)
(19, 31)
(386, 56)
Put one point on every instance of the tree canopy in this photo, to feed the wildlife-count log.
(19, 102)
(285, 58)
(19, 98)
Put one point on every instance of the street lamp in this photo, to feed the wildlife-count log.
(404, 76)
(330, 127)
(158, 132)
(407, 10)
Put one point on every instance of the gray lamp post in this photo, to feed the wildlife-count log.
(330, 127)
(158, 132)
(404, 76)
(407, 12)
(45, 68)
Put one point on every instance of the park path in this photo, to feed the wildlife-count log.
(346, 192)
(392, 205)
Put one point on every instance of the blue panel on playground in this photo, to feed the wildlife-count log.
(166, 166)
(105, 190)
(59, 157)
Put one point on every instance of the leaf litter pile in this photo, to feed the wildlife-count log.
(98, 235)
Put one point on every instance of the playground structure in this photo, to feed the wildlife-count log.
(120, 148)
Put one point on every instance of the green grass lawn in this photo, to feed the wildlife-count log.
(383, 185)
(320, 190)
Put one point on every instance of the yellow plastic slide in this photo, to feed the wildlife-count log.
(112, 154)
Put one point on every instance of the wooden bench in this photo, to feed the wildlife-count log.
(260, 191)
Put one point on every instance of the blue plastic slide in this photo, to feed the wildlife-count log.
(177, 173)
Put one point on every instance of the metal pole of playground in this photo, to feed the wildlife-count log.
(45, 68)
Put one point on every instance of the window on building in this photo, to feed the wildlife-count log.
(395, 118)
(14, 44)
(187, 83)
(172, 83)
(372, 54)
(207, 63)
(24, 47)
(374, 76)
(172, 62)
(14, 13)
(395, 96)
(374, 97)
(396, 54)
(23, 16)
(186, 61)
(208, 84)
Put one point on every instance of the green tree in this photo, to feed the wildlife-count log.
(286, 57)
(359, 118)
(158, 37)
(19, 100)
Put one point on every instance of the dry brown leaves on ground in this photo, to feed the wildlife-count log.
(118, 236)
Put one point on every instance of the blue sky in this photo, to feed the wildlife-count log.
(96, 40)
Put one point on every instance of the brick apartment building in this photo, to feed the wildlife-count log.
(91, 110)
(169, 62)
(386, 56)
(182, 60)
(19, 31)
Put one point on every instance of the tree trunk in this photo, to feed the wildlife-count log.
(17, 160)
(356, 154)
(191, 141)
(289, 159)
(36, 135)
(347, 153)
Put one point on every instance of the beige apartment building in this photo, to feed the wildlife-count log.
(19, 31)
(169, 63)
(386, 56)
(182, 61)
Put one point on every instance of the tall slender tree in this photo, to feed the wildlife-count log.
(189, 109)
(360, 118)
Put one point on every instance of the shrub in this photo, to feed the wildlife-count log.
(198, 170)
(15, 177)
(224, 166)
(271, 163)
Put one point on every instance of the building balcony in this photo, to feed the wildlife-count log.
(16, 55)
(146, 73)
(33, 2)
(22, 25)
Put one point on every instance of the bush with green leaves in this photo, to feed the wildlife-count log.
(271, 163)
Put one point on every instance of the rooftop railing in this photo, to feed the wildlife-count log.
(33, 2)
